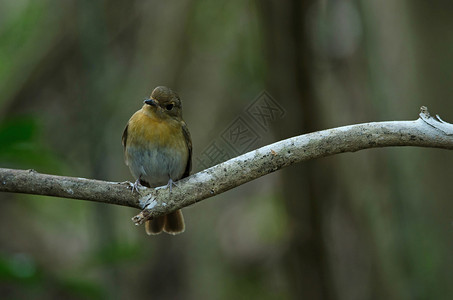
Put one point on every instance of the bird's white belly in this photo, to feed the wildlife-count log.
(156, 166)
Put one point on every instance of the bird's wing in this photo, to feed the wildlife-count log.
(124, 137)
(185, 131)
(124, 141)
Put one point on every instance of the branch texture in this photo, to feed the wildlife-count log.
(423, 132)
(32, 182)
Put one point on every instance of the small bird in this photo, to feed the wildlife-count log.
(158, 151)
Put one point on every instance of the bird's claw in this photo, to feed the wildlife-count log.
(130, 185)
(136, 186)
(170, 184)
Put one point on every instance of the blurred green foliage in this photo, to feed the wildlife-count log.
(20, 272)
(22, 147)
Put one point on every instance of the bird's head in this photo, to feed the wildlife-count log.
(164, 102)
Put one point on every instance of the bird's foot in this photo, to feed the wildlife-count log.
(136, 186)
(129, 184)
(170, 184)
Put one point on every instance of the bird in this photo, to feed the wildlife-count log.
(158, 150)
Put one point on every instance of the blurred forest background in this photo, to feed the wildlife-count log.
(377, 224)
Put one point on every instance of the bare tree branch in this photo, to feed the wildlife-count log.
(423, 132)
(32, 182)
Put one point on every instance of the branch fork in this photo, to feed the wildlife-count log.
(437, 122)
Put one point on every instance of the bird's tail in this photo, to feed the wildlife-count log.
(173, 223)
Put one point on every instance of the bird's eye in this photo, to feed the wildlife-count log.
(169, 106)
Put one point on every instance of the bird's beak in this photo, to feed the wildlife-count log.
(151, 102)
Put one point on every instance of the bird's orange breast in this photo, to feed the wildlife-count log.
(150, 131)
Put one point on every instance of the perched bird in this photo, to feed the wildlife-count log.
(158, 150)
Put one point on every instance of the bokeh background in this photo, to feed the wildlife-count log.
(375, 224)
